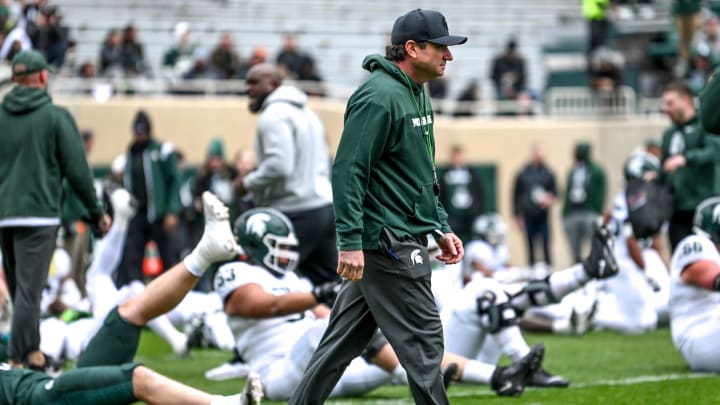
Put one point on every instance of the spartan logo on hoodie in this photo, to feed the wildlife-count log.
(424, 121)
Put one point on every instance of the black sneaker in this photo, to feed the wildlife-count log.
(601, 262)
(449, 374)
(511, 380)
(542, 378)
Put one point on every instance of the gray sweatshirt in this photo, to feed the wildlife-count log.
(293, 171)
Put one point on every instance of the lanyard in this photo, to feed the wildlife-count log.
(425, 130)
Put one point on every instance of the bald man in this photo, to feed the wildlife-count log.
(293, 168)
(39, 148)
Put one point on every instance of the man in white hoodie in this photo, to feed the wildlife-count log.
(293, 169)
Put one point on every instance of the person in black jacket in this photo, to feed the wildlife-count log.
(533, 194)
(461, 193)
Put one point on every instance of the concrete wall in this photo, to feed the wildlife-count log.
(191, 122)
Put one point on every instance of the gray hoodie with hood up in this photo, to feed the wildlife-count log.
(293, 170)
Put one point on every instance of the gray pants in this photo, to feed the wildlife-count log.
(578, 229)
(394, 294)
(27, 252)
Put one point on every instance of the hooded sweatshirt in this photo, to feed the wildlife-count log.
(39, 146)
(383, 171)
(585, 187)
(293, 160)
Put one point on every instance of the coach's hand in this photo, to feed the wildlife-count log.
(351, 264)
(451, 247)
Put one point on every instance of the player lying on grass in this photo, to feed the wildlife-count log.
(105, 373)
(482, 322)
(277, 319)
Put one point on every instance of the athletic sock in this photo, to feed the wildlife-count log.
(511, 342)
(566, 281)
(222, 400)
(399, 376)
(477, 372)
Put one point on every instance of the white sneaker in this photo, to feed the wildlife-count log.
(217, 242)
(252, 394)
(228, 371)
(123, 204)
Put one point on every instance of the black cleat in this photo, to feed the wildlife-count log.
(543, 379)
(449, 374)
(601, 262)
(508, 381)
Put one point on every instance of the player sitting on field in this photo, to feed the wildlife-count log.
(695, 290)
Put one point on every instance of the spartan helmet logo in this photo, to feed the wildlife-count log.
(257, 225)
(716, 214)
(416, 257)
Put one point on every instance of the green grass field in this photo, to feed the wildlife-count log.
(605, 368)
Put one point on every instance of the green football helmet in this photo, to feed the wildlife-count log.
(267, 237)
(707, 219)
(639, 164)
(491, 228)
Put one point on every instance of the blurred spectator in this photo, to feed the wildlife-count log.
(87, 70)
(290, 60)
(606, 69)
(133, 57)
(508, 73)
(258, 56)
(585, 192)
(711, 35)
(687, 23)
(462, 193)
(201, 65)
(438, 90)
(466, 101)
(111, 54)
(151, 175)
(224, 60)
(533, 194)
(595, 13)
(313, 82)
(48, 35)
(178, 60)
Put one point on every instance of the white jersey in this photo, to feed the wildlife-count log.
(263, 340)
(691, 307)
(494, 258)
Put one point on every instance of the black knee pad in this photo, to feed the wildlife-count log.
(495, 316)
(539, 292)
(373, 348)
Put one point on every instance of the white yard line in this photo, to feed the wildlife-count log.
(481, 391)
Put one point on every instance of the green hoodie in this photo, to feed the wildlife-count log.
(592, 195)
(39, 146)
(383, 170)
(695, 181)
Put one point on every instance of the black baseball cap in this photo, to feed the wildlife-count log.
(423, 26)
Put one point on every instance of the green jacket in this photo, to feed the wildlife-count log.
(709, 103)
(39, 146)
(591, 194)
(695, 181)
(163, 186)
(383, 170)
